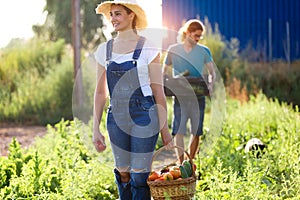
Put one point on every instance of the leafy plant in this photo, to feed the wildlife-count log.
(230, 173)
(65, 167)
(36, 83)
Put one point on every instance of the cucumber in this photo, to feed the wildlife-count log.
(183, 172)
(188, 167)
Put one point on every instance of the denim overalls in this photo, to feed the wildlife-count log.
(132, 124)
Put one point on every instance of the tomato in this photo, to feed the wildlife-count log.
(175, 167)
(153, 175)
(175, 171)
(167, 176)
(161, 178)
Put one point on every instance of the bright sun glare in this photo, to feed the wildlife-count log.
(154, 12)
(17, 17)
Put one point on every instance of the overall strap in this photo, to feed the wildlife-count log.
(138, 48)
(137, 51)
(109, 46)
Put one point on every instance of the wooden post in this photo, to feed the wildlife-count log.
(78, 90)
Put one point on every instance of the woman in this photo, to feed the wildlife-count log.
(129, 66)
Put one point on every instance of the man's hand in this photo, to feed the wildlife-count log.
(210, 88)
(210, 85)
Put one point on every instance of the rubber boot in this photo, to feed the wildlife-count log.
(124, 189)
(139, 187)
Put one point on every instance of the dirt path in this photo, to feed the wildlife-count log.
(24, 134)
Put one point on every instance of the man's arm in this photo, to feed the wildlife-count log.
(211, 76)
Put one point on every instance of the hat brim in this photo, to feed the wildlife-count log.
(141, 18)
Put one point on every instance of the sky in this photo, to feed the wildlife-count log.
(18, 16)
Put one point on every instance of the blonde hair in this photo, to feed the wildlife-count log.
(190, 26)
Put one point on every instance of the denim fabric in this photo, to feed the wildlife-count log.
(133, 132)
(124, 189)
(140, 188)
(133, 126)
(136, 188)
(132, 121)
(188, 108)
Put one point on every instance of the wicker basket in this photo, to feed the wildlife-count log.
(183, 189)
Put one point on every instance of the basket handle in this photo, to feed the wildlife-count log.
(178, 147)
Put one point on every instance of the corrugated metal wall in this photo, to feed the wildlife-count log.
(247, 20)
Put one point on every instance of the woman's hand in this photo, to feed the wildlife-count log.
(99, 141)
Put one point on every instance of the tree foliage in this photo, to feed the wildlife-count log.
(58, 23)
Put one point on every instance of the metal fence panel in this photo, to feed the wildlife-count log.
(270, 27)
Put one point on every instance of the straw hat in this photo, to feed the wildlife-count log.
(141, 18)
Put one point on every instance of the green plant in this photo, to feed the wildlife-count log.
(227, 172)
(64, 164)
(36, 83)
(65, 168)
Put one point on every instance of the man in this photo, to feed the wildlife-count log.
(189, 56)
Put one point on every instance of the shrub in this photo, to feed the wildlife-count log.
(36, 83)
(63, 164)
(229, 173)
(65, 168)
(277, 80)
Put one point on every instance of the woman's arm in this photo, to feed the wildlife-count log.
(156, 79)
(100, 97)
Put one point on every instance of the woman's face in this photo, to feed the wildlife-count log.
(120, 20)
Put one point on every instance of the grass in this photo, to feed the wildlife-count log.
(64, 163)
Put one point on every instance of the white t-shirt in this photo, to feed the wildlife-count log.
(148, 53)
